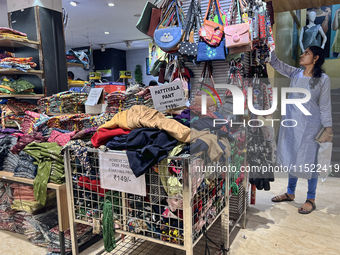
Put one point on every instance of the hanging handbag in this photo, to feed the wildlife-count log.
(154, 21)
(237, 35)
(162, 75)
(212, 32)
(210, 53)
(188, 46)
(144, 20)
(157, 65)
(168, 38)
(170, 69)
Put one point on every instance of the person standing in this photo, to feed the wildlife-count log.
(296, 145)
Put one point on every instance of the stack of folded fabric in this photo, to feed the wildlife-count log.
(11, 162)
(19, 86)
(6, 143)
(64, 102)
(25, 167)
(22, 64)
(6, 32)
(131, 97)
(145, 93)
(115, 102)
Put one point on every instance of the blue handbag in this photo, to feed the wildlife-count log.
(210, 53)
(169, 37)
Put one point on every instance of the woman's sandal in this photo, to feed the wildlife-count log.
(279, 199)
(303, 210)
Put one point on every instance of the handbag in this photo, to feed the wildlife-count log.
(170, 69)
(154, 21)
(188, 46)
(157, 65)
(319, 137)
(237, 35)
(144, 20)
(167, 38)
(161, 75)
(212, 32)
(210, 53)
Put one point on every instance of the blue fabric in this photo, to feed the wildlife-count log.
(210, 53)
(312, 184)
(146, 147)
(117, 143)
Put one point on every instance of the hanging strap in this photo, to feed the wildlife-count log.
(189, 21)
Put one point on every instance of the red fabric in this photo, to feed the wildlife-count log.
(91, 185)
(60, 138)
(103, 135)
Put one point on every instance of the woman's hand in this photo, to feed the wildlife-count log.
(328, 137)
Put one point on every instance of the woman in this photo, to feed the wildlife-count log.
(297, 149)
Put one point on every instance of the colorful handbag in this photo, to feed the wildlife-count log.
(212, 32)
(144, 20)
(209, 53)
(237, 35)
(188, 46)
(169, 37)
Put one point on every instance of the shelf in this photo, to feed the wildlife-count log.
(36, 96)
(11, 71)
(10, 176)
(74, 65)
(18, 43)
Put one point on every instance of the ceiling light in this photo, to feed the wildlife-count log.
(102, 47)
(73, 3)
(106, 33)
(111, 4)
(128, 44)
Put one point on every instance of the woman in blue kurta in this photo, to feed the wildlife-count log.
(297, 150)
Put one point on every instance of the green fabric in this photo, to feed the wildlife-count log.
(336, 44)
(19, 85)
(108, 227)
(2, 90)
(45, 154)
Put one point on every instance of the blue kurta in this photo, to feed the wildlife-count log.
(296, 145)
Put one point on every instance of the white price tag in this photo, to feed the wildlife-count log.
(116, 174)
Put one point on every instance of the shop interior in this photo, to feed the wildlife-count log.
(104, 125)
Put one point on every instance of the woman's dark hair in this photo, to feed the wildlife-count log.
(153, 46)
(70, 74)
(317, 70)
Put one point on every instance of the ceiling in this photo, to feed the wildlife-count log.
(90, 19)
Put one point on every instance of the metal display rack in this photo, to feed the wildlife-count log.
(181, 203)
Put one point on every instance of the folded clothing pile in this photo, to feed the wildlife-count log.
(6, 143)
(11, 33)
(64, 102)
(84, 234)
(25, 167)
(146, 94)
(131, 97)
(115, 102)
(20, 86)
(22, 64)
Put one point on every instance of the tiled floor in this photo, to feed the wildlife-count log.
(271, 228)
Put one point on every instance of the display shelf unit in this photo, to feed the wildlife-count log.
(61, 197)
(18, 43)
(74, 65)
(18, 96)
(12, 71)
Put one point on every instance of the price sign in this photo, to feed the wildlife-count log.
(116, 174)
(168, 96)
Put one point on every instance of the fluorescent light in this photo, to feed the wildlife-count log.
(111, 4)
(106, 33)
(73, 3)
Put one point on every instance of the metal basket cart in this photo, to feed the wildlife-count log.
(178, 207)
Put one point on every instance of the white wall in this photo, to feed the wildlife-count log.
(3, 13)
(79, 72)
(138, 57)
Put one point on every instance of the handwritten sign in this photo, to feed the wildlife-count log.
(94, 96)
(116, 174)
(168, 96)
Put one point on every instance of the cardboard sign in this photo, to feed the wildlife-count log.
(95, 96)
(116, 174)
(169, 96)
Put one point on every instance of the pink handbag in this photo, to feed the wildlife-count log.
(237, 35)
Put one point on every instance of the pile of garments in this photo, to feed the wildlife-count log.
(22, 64)
(64, 102)
(145, 93)
(6, 32)
(11, 86)
(79, 57)
(6, 143)
(115, 102)
(131, 97)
